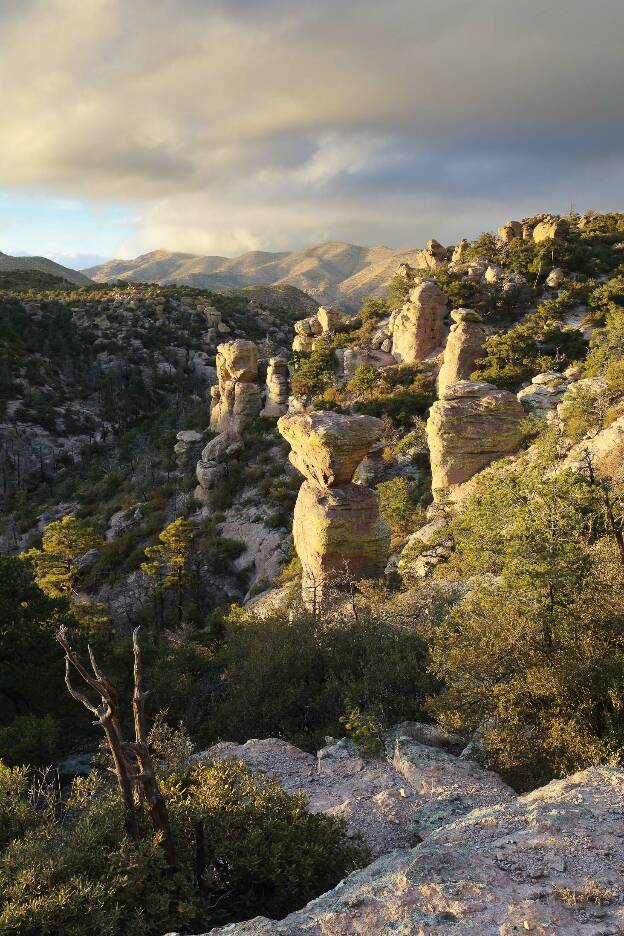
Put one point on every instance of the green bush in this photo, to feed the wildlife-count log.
(71, 871)
(315, 371)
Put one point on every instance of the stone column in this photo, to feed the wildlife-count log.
(236, 398)
(339, 534)
(419, 329)
(464, 346)
(277, 388)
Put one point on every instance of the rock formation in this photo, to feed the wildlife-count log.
(188, 442)
(551, 228)
(338, 532)
(420, 785)
(464, 345)
(215, 459)
(277, 388)
(328, 319)
(418, 329)
(510, 230)
(236, 398)
(548, 862)
(306, 330)
(460, 251)
(544, 394)
(432, 257)
(470, 426)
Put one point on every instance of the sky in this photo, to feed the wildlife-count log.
(221, 126)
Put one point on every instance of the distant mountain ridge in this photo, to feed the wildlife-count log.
(9, 264)
(334, 272)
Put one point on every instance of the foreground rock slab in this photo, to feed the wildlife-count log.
(393, 802)
(548, 863)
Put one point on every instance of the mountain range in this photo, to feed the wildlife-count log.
(42, 265)
(333, 273)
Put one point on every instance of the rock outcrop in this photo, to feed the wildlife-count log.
(545, 863)
(432, 257)
(338, 532)
(460, 251)
(544, 394)
(510, 230)
(418, 329)
(463, 347)
(277, 387)
(236, 398)
(551, 228)
(215, 459)
(188, 443)
(306, 331)
(470, 426)
(393, 801)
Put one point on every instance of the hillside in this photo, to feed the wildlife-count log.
(10, 264)
(401, 528)
(333, 273)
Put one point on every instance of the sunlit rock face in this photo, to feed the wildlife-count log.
(337, 528)
(236, 398)
(419, 328)
(277, 388)
(463, 347)
(470, 426)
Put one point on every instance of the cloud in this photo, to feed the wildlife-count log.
(241, 124)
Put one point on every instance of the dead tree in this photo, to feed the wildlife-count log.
(132, 760)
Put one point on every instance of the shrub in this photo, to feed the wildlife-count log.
(314, 372)
(74, 873)
(398, 503)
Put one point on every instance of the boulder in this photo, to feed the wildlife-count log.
(419, 329)
(555, 278)
(328, 319)
(470, 426)
(551, 228)
(510, 230)
(327, 447)
(464, 346)
(277, 388)
(406, 271)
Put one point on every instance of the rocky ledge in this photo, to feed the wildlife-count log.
(487, 861)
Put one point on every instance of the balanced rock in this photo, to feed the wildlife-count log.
(470, 426)
(327, 447)
(551, 229)
(510, 230)
(277, 388)
(418, 328)
(339, 537)
(328, 319)
(464, 346)
(337, 528)
(236, 398)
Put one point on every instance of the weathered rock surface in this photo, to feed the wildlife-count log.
(216, 458)
(510, 230)
(555, 278)
(606, 451)
(337, 529)
(277, 388)
(339, 537)
(470, 426)
(526, 865)
(544, 394)
(460, 251)
(464, 345)
(551, 228)
(392, 802)
(328, 319)
(419, 329)
(236, 399)
(432, 257)
(327, 447)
